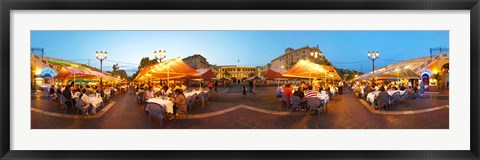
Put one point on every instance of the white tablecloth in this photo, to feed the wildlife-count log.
(323, 96)
(96, 102)
(76, 95)
(167, 103)
(158, 100)
(371, 95)
(191, 93)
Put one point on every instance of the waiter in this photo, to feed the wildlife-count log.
(340, 87)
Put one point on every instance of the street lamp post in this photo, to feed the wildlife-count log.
(160, 55)
(373, 56)
(101, 56)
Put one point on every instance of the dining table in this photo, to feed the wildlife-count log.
(96, 101)
(163, 102)
(168, 103)
(371, 96)
(323, 96)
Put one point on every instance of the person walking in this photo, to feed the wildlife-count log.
(244, 87)
(254, 86)
(340, 87)
(250, 86)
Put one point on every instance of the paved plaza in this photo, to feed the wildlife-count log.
(232, 110)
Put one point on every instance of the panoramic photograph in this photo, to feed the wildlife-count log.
(286, 79)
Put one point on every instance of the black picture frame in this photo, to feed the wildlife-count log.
(9, 5)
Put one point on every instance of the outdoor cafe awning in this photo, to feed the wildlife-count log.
(275, 73)
(71, 72)
(255, 78)
(306, 69)
(170, 69)
(392, 73)
(202, 74)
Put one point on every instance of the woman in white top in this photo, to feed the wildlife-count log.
(88, 105)
(147, 95)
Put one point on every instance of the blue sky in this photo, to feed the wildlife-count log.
(345, 49)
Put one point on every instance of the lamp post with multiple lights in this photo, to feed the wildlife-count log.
(101, 56)
(160, 55)
(373, 56)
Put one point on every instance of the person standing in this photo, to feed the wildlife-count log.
(215, 85)
(250, 85)
(244, 88)
(254, 86)
(68, 93)
(340, 87)
(279, 91)
(210, 85)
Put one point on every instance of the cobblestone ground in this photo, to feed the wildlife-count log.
(345, 112)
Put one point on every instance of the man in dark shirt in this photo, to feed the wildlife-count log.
(250, 85)
(402, 87)
(68, 94)
(300, 94)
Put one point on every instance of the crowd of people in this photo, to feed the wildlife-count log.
(365, 88)
(306, 91)
(76, 95)
(172, 92)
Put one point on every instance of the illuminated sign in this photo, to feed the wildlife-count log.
(49, 71)
(426, 71)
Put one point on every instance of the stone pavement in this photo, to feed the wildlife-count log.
(345, 112)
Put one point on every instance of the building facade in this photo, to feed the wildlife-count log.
(292, 56)
(262, 70)
(197, 61)
(238, 72)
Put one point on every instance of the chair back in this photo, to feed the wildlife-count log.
(205, 95)
(80, 103)
(383, 98)
(141, 94)
(396, 96)
(285, 97)
(295, 100)
(62, 98)
(381, 103)
(155, 109)
(313, 102)
(405, 93)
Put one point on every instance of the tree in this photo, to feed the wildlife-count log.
(351, 73)
(115, 70)
(251, 74)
